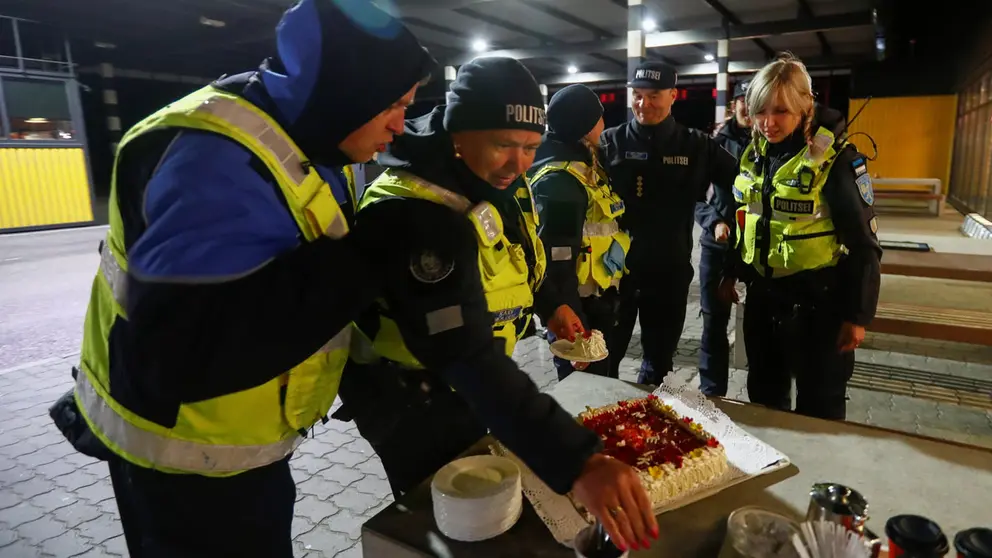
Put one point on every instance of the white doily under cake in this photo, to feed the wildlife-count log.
(747, 457)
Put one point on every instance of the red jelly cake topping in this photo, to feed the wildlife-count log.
(642, 437)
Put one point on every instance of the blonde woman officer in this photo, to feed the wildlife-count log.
(578, 213)
(806, 246)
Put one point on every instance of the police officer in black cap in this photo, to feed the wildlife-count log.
(716, 217)
(661, 169)
(464, 270)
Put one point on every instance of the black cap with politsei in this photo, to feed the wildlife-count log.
(654, 75)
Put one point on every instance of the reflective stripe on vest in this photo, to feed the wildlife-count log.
(600, 229)
(113, 273)
(173, 453)
(293, 166)
(231, 432)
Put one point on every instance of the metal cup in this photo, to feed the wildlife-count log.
(838, 504)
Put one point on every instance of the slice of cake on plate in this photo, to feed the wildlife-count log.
(671, 454)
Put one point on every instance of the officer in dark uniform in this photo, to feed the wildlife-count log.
(661, 169)
(716, 217)
(465, 269)
(807, 246)
(579, 215)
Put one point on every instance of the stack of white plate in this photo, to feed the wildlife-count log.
(477, 497)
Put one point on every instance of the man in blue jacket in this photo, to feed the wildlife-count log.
(218, 325)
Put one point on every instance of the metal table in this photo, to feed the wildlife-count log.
(897, 473)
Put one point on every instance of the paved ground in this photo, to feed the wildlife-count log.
(54, 502)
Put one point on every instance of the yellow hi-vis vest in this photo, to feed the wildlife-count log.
(238, 431)
(600, 229)
(795, 219)
(508, 284)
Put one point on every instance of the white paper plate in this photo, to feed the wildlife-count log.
(562, 348)
(477, 477)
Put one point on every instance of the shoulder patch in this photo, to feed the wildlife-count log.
(428, 267)
(865, 188)
(636, 155)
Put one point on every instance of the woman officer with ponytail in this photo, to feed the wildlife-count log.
(806, 246)
(577, 215)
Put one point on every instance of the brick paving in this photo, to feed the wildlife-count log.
(57, 503)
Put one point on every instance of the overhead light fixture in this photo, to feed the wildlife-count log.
(480, 45)
(709, 57)
(108, 46)
(204, 20)
(572, 69)
(36, 121)
(649, 24)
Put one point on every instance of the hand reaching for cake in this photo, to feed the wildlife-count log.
(612, 491)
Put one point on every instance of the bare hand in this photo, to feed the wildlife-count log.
(612, 492)
(850, 337)
(721, 232)
(727, 291)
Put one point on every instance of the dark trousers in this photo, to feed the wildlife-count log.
(714, 354)
(412, 419)
(660, 298)
(166, 516)
(789, 336)
(601, 314)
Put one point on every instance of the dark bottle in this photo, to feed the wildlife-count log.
(974, 543)
(913, 536)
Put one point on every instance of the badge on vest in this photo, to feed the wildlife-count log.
(507, 315)
(874, 225)
(616, 206)
(636, 155)
(675, 160)
(428, 267)
(804, 207)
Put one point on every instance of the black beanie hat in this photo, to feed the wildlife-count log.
(494, 94)
(324, 43)
(573, 112)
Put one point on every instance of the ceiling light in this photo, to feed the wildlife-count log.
(109, 46)
(572, 69)
(480, 45)
(204, 20)
(649, 24)
(709, 57)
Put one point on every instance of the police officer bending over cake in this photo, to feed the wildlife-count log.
(465, 273)
(661, 169)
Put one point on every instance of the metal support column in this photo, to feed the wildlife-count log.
(110, 106)
(723, 65)
(636, 51)
(544, 95)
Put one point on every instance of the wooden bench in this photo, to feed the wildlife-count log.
(913, 190)
(963, 326)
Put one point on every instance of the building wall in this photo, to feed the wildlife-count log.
(914, 135)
